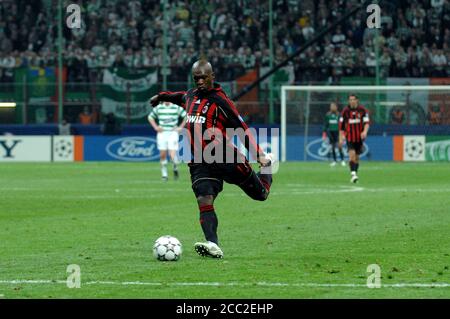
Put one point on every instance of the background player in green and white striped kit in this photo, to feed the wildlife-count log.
(331, 131)
(167, 119)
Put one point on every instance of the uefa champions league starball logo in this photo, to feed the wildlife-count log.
(414, 148)
(63, 148)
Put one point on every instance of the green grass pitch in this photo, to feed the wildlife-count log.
(313, 238)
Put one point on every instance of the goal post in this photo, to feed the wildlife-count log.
(303, 107)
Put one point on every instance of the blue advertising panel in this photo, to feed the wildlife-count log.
(140, 148)
(119, 148)
(376, 148)
(143, 148)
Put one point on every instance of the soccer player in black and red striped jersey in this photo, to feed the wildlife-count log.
(354, 126)
(210, 112)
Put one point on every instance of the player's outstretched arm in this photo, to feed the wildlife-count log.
(178, 98)
(236, 121)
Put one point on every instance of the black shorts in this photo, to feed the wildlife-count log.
(207, 179)
(333, 136)
(357, 146)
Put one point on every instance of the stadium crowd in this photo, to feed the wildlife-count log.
(414, 40)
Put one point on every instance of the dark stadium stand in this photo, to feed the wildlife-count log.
(233, 34)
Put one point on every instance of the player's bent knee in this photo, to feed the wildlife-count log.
(205, 200)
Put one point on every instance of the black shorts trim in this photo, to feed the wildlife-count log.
(207, 179)
(203, 178)
(358, 147)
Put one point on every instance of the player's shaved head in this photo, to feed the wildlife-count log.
(203, 75)
(202, 66)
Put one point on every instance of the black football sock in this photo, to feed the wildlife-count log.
(334, 153)
(356, 167)
(209, 223)
(352, 166)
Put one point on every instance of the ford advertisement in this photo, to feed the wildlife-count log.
(127, 149)
(376, 148)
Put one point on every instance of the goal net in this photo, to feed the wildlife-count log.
(422, 111)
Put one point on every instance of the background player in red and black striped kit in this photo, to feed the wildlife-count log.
(210, 112)
(354, 126)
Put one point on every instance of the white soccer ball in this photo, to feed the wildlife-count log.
(167, 248)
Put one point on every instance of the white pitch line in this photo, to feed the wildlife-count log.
(24, 281)
(235, 284)
(303, 189)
